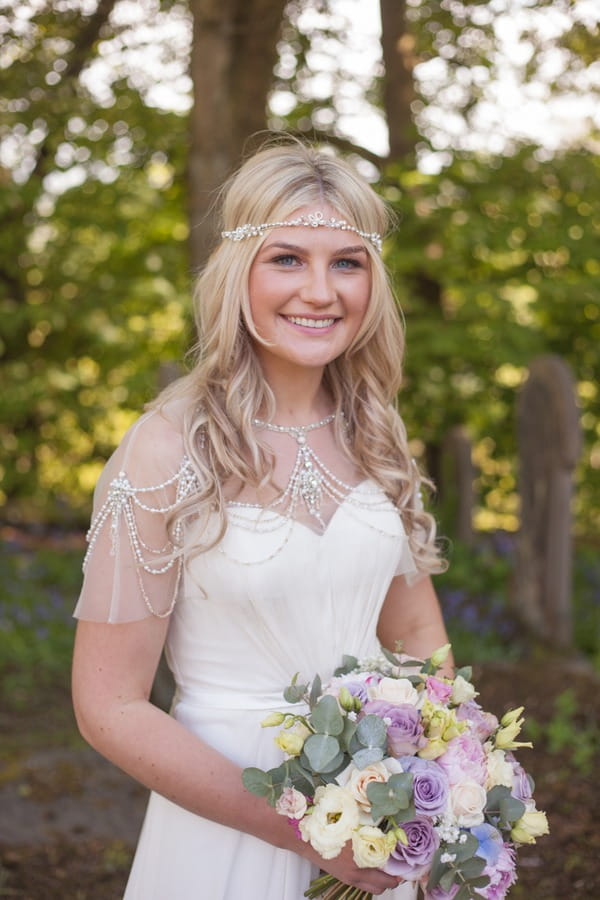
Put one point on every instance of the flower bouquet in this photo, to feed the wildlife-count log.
(406, 765)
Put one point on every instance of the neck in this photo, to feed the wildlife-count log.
(301, 399)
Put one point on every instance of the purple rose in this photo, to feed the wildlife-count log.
(502, 875)
(482, 723)
(404, 727)
(413, 861)
(430, 785)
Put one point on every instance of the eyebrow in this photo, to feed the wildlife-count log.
(297, 248)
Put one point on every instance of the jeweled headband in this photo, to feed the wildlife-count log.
(312, 220)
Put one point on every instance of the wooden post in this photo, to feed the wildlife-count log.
(549, 436)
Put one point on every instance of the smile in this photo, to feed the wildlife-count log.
(310, 323)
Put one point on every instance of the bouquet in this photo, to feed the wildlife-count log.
(406, 765)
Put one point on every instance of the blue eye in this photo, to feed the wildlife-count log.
(286, 259)
(348, 263)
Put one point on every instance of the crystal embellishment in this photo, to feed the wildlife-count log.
(312, 220)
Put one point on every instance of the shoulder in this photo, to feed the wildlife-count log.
(151, 453)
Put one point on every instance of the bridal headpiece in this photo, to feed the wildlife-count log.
(312, 220)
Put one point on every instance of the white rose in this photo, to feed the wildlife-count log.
(499, 770)
(462, 690)
(396, 691)
(371, 847)
(291, 803)
(331, 822)
(467, 801)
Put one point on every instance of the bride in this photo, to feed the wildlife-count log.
(262, 518)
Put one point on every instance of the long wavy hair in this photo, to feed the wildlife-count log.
(225, 388)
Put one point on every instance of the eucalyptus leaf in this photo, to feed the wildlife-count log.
(466, 672)
(345, 738)
(300, 777)
(315, 691)
(349, 664)
(465, 893)
(472, 867)
(391, 797)
(366, 756)
(326, 716)
(321, 750)
(295, 693)
(258, 782)
(447, 880)
(438, 868)
(391, 657)
(371, 732)
(465, 849)
(511, 809)
(482, 881)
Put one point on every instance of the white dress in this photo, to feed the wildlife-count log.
(259, 607)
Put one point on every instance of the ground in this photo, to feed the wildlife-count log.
(69, 820)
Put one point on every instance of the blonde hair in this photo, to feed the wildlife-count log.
(225, 390)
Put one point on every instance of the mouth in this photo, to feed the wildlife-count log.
(310, 323)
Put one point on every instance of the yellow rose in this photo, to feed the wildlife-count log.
(530, 826)
(371, 847)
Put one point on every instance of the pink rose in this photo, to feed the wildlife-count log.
(464, 758)
(502, 875)
(482, 723)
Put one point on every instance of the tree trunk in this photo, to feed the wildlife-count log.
(397, 44)
(234, 51)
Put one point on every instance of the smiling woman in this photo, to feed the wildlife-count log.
(262, 518)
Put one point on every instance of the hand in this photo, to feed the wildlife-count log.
(345, 869)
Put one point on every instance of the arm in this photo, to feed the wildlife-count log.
(113, 670)
(411, 614)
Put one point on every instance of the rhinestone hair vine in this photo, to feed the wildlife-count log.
(312, 220)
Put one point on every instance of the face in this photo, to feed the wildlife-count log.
(309, 291)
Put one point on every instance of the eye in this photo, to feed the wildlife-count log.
(285, 259)
(348, 262)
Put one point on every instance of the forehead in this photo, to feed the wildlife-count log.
(315, 226)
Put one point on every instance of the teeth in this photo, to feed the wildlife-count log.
(310, 323)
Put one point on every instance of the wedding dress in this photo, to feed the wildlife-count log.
(275, 597)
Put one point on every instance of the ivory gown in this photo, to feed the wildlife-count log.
(242, 625)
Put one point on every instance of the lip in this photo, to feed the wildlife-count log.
(312, 324)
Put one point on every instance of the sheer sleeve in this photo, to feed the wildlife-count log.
(133, 563)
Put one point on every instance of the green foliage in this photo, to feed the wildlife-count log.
(569, 730)
(495, 263)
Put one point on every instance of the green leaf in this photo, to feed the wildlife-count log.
(391, 657)
(447, 880)
(466, 672)
(295, 693)
(366, 756)
(349, 664)
(438, 868)
(511, 809)
(315, 691)
(321, 750)
(472, 867)
(347, 734)
(391, 798)
(371, 732)
(326, 716)
(258, 782)
(466, 849)
(300, 777)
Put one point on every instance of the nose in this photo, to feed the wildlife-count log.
(317, 288)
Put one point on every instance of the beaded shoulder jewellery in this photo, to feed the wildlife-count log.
(312, 220)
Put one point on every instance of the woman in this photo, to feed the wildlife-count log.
(261, 519)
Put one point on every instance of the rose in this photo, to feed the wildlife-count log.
(430, 785)
(399, 691)
(499, 769)
(356, 781)
(331, 821)
(502, 875)
(404, 727)
(531, 825)
(292, 740)
(371, 847)
(413, 860)
(462, 690)
(291, 803)
(467, 801)
(464, 758)
(356, 684)
(482, 724)
(438, 691)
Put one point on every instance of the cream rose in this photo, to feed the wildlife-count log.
(331, 822)
(356, 781)
(499, 770)
(396, 691)
(467, 801)
(291, 803)
(531, 825)
(371, 847)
